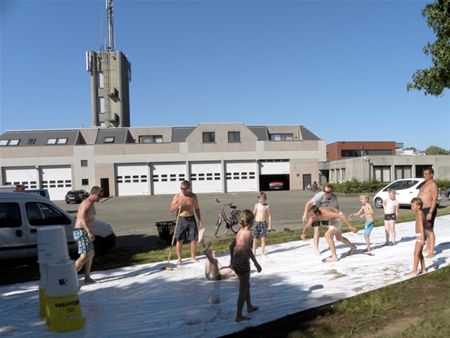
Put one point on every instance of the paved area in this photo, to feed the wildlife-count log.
(135, 217)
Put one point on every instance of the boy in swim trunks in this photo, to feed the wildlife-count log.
(416, 206)
(390, 206)
(241, 253)
(366, 212)
(263, 222)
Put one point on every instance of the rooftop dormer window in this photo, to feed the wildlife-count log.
(209, 137)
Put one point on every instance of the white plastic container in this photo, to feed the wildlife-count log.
(62, 279)
(52, 244)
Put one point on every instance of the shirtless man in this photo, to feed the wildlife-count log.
(325, 198)
(82, 233)
(315, 213)
(186, 203)
(429, 195)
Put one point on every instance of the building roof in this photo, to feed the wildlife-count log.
(29, 138)
(307, 135)
(179, 134)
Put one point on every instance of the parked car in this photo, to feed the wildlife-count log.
(76, 196)
(406, 189)
(276, 185)
(22, 214)
(40, 192)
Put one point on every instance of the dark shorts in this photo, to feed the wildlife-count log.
(260, 229)
(319, 223)
(241, 267)
(85, 245)
(187, 229)
(429, 225)
(390, 217)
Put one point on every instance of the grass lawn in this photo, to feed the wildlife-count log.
(419, 307)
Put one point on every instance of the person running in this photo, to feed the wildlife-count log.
(390, 206)
(213, 269)
(429, 195)
(416, 207)
(315, 214)
(366, 212)
(263, 222)
(82, 233)
(186, 203)
(241, 253)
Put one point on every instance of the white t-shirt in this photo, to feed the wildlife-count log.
(320, 200)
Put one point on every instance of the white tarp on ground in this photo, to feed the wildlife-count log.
(147, 302)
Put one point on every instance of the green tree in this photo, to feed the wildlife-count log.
(435, 79)
(435, 150)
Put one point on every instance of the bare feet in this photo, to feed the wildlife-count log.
(178, 261)
(352, 250)
(302, 237)
(317, 252)
(251, 309)
(330, 259)
(367, 250)
(89, 280)
(430, 255)
(242, 318)
(412, 274)
(194, 260)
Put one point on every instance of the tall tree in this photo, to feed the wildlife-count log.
(436, 79)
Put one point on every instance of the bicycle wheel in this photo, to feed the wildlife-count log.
(218, 223)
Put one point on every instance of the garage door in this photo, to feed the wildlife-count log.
(133, 180)
(241, 176)
(58, 181)
(166, 177)
(274, 167)
(206, 177)
(29, 177)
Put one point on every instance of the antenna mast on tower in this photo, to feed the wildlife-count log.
(109, 12)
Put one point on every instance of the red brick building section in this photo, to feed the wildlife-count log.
(349, 149)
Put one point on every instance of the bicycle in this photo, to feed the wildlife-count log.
(230, 221)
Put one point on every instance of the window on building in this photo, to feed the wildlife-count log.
(84, 163)
(234, 136)
(101, 80)
(402, 171)
(51, 141)
(13, 142)
(382, 173)
(209, 137)
(150, 139)
(101, 108)
(61, 140)
(108, 139)
(31, 140)
(84, 181)
(282, 137)
(4, 142)
(351, 153)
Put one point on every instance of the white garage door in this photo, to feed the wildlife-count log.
(166, 177)
(133, 180)
(274, 167)
(58, 181)
(29, 177)
(206, 177)
(241, 176)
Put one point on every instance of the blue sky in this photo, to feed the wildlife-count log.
(338, 67)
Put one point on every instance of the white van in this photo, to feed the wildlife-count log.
(21, 214)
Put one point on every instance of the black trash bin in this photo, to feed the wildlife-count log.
(165, 230)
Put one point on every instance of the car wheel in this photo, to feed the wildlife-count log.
(378, 203)
(103, 244)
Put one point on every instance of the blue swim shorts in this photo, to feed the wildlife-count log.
(85, 245)
(368, 226)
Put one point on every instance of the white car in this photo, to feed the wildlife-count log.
(21, 214)
(406, 189)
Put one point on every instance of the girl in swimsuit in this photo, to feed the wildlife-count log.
(241, 253)
(416, 206)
